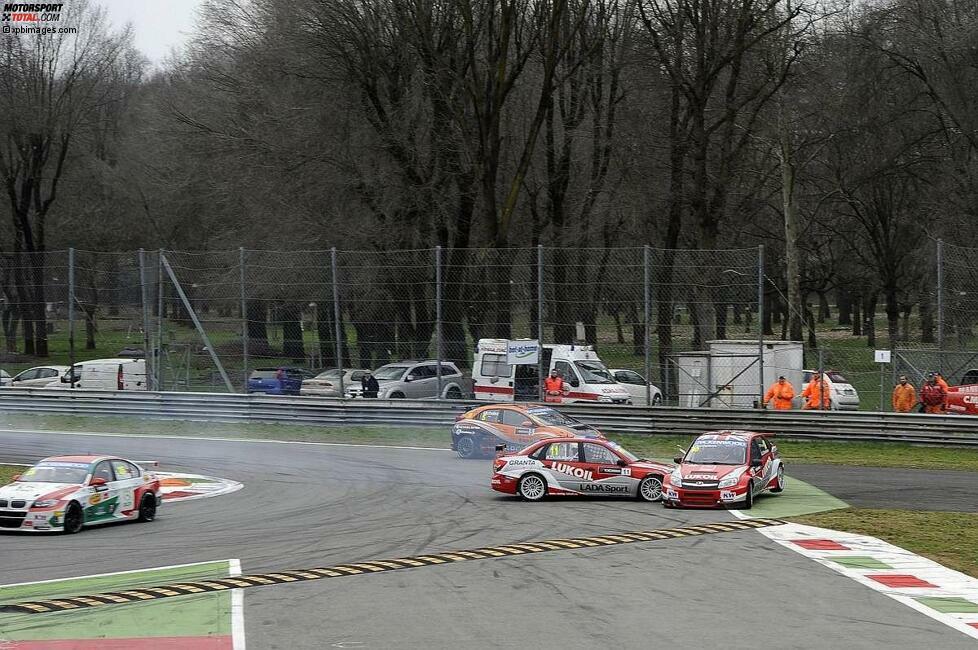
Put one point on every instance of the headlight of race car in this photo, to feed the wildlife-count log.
(44, 503)
(676, 478)
(729, 481)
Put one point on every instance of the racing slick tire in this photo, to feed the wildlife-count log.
(532, 487)
(650, 488)
(147, 508)
(467, 447)
(779, 486)
(74, 518)
(748, 498)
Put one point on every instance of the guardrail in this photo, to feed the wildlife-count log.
(225, 407)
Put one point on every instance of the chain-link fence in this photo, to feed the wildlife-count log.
(209, 320)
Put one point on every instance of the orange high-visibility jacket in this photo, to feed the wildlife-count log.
(817, 394)
(904, 398)
(553, 384)
(782, 394)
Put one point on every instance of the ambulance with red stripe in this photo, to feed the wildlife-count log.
(585, 377)
(65, 493)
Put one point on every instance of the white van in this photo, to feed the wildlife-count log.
(105, 374)
(589, 380)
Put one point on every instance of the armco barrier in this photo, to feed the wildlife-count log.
(224, 407)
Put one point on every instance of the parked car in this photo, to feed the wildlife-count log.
(327, 383)
(283, 380)
(4, 378)
(416, 379)
(842, 394)
(38, 377)
(104, 374)
(635, 384)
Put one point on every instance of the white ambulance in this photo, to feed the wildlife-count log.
(583, 372)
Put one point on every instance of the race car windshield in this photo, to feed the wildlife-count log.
(718, 452)
(594, 372)
(65, 473)
(552, 417)
(390, 372)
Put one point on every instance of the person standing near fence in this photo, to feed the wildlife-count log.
(369, 385)
(554, 387)
(782, 392)
(932, 395)
(943, 384)
(816, 394)
(904, 396)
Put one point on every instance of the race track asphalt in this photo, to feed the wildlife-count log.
(314, 505)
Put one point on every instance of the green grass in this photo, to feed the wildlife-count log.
(8, 472)
(872, 454)
(949, 538)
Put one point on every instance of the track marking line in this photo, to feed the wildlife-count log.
(373, 566)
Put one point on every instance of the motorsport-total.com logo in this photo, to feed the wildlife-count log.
(31, 13)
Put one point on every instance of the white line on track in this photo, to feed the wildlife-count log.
(216, 439)
(237, 609)
(112, 573)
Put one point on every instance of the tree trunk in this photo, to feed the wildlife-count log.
(325, 333)
(792, 230)
(869, 318)
(290, 315)
(844, 300)
(926, 319)
(721, 315)
(824, 313)
(857, 319)
(256, 326)
(91, 328)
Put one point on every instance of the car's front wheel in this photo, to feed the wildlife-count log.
(532, 487)
(748, 498)
(779, 482)
(453, 393)
(467, 447)
(396, 395)
(650, 489)
(74, 518)
(147, 507)
(657, 400)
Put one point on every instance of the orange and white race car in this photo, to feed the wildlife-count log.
(513, 426)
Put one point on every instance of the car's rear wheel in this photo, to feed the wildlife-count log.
(147, 507)
(467, 447)
(74, 518)
(779, 482)
(748, 498)
(650, 489)
(453, 393)
(657, 400)
(532, 487)
(396, 395)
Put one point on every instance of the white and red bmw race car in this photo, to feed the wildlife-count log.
(724, 468)
(64, 493)
(576, 466)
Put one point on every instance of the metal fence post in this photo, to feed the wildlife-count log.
(71, 316)
(760, 324)
(646, 343)
(540, 369)
(159, 321)
(438, 350)
(940, 302)
(244, 321)
(336, 319)
(144, 298)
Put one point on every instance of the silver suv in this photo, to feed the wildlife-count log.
(416, 379)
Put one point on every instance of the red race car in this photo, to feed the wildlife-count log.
(575, 466)
(963, 399)
(724, 468)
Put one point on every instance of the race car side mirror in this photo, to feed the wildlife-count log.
(15, 477)
(526, 423)
(98, 480)
(500, 447)
(678, 459)
(621, 463)
(756, 463)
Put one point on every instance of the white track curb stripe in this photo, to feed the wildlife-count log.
(237, 609)
(949, 583)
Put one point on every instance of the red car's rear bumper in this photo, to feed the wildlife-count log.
(505, 484)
